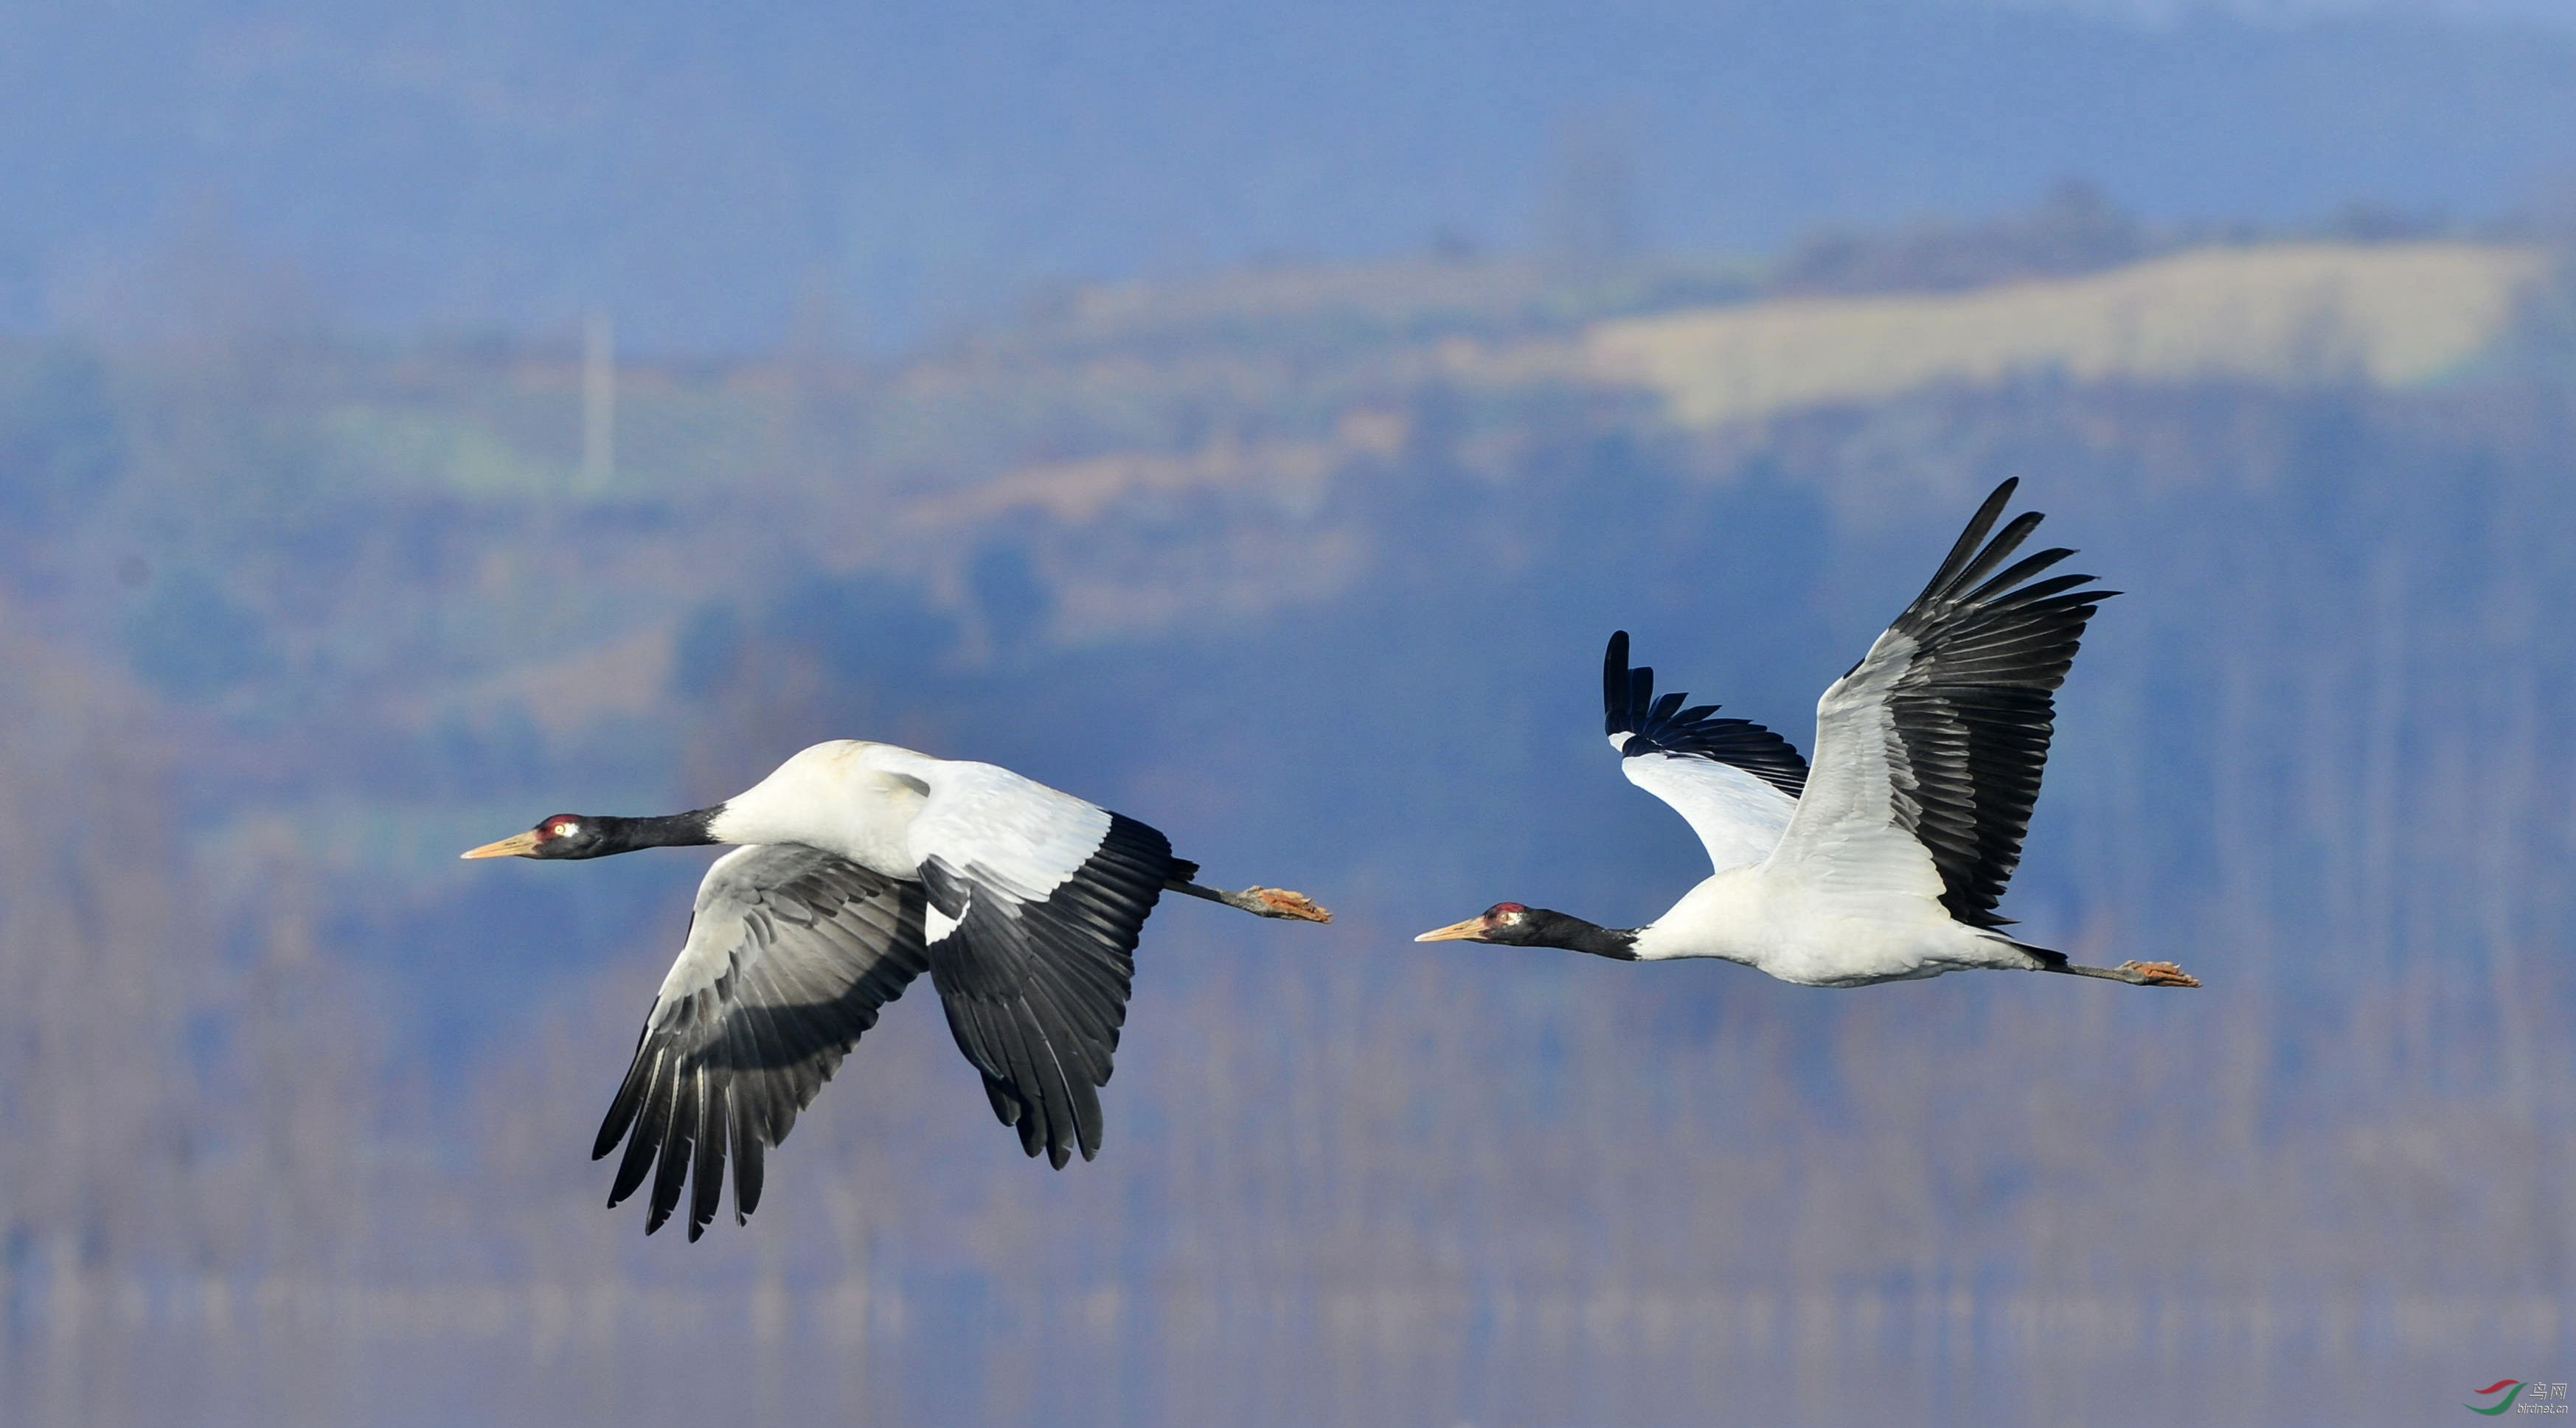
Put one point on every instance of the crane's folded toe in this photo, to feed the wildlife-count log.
(1280, 902)
(2158, 974)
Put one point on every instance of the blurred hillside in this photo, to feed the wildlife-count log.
(1310, 566)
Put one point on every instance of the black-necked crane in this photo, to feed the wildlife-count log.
(860, 866)
(1884, 861)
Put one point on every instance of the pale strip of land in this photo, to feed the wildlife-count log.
(2391, 314)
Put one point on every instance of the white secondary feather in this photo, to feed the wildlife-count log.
(1012, 835)
(716, 932)
(1737, 815)
(761, 914)
(1844, 837)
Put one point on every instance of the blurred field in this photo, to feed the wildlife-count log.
(2394, 315)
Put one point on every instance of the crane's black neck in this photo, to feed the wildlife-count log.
(1541, 927)
(670, 830)
(604, 835)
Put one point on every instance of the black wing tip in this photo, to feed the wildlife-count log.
(1975, 557)
(1628, 704)
(1993, 506)
(1037, 1136)
(1060, 1152)
(682, 1160)
(1989, 511)
(1972, 554)
(1616, 705)
(657, 1214)
(1664, 726)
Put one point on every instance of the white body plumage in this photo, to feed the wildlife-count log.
(1868, 912)
(874, 804)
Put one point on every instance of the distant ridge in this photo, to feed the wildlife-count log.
(887, 173)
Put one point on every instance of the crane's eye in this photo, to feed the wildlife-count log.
(562, 828)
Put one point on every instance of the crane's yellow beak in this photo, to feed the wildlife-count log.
(1471, 930)
(517, 845)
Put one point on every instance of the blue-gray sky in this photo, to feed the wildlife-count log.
(469, 166)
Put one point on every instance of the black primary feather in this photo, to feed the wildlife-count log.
(1036, 991)
(1663, 726)
(1973, 711)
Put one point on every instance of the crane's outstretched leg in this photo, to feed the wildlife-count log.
(2140, 974)
(2136, 974)
(1259, 901)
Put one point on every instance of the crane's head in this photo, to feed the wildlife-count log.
(1506, 922)
(565, 835)
(1513, 925)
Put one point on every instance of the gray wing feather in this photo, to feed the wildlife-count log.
(791, 954)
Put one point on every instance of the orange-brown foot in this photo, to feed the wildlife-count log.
(2159, 974)
(1283, 903)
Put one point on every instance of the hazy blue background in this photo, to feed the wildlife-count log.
(466, 167)
(414, 422)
